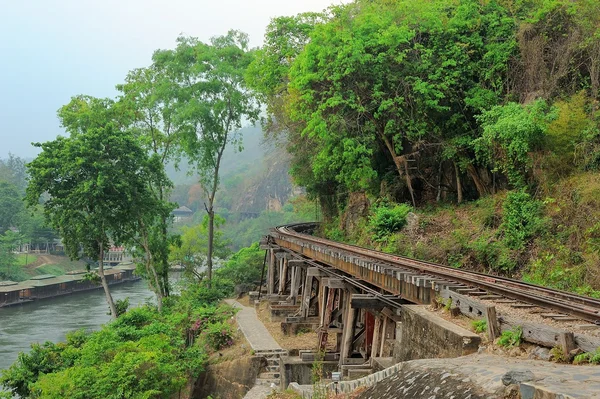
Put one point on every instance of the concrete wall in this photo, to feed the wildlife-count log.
(229, 380)
(293, 369)
(424, 335)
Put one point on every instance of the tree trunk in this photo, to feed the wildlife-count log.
(459, 193)
(211, 237)
(109, 298)
(482, 188)
(401, 163)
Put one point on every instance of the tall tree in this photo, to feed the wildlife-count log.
(151, 102)
(96, 183)
(213, 102)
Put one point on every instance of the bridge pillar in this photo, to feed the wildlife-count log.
(271, 272)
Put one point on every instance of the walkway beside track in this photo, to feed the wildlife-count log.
(254, 330)
(260, 340)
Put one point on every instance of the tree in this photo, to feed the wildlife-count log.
(151, 102)
(191, 252)
(11, 205)
(96, 183)
(212, 104)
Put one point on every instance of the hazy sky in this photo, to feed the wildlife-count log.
(51, 50)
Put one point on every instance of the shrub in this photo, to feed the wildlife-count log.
(387, 220)
(511, 338)
(521, 219)
(218, 335)
(479, 326)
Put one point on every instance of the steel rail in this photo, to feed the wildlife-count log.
(576, 305)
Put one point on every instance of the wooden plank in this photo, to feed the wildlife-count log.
(492, 297)
(522, 306)
(587, 343)
(532, 332)
(552, 315)
(468, 306)
(493, 328)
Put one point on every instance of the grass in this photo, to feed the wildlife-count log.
(50, 269)
(24, 260)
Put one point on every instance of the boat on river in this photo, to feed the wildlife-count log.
(50, 286)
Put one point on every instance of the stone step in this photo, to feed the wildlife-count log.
(273, 368)
(273, 361)
(269, 375)
(274, 382)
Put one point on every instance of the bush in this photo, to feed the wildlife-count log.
(244, 267)
(521, 219)
(218, 335)
(479, 326)
(387, 220)
(511, 338)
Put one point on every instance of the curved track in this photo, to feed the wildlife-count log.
(579, 306)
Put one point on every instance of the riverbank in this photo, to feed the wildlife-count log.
(52, 318)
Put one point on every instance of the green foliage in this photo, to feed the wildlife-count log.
(243, 267)
(246, 232)
(521, 219)
(557, 354)
(218, 336)
(587, 357)
(479, 326)
(511, 338)
(142, 354)
(192, 249)
(388, 219)
(510, 133)
(11, 205)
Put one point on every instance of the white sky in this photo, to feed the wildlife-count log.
(51, 50)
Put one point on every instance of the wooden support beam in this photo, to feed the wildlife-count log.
(566, 340)
(316, 272)
(306, 296)
(383, 335)
(376, 336)
(368, 301)
(493, 327)
(297, 263)
(332, 282)
(271, 277)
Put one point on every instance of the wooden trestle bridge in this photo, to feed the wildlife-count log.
(357, 294)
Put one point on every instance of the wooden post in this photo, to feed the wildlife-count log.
(283, 276)
(493, 327)
(376, 334)
(348, 336)
(306, 294)
(383, 335)
(272, 266)
(292, 284)
(566, 340)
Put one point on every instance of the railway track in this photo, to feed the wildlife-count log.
(581, 307)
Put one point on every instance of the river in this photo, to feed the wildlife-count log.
(52, 319)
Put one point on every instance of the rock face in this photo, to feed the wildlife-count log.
(357, 209)
(229, 380)
(268, 190)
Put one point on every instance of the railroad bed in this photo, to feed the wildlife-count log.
(391, 273)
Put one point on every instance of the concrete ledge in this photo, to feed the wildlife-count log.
(424, 335)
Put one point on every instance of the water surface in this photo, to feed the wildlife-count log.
(52, 319)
